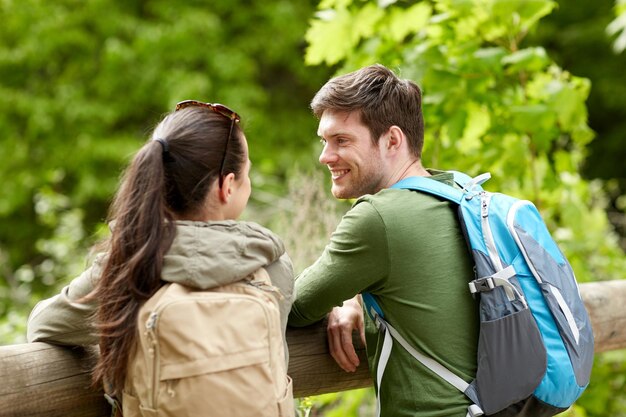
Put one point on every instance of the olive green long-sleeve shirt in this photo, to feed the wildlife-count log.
(407, 249)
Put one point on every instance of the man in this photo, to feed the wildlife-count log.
(403, 247)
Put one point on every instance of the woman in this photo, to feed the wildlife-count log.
(172, 220)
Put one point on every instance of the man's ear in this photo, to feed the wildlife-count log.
(226, 190)
(395, 138)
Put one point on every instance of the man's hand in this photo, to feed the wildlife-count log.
(342, 321)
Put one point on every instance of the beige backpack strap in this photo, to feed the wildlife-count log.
(261, 279)
(261, 275)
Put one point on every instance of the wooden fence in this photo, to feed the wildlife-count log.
(42, 380)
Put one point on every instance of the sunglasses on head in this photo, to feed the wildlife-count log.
(221, 110)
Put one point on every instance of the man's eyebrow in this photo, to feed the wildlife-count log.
(335, 134)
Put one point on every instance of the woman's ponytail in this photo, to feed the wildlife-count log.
(142, 232)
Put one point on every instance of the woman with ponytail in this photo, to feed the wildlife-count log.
(173, 219)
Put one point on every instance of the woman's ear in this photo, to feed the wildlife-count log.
(226, 190)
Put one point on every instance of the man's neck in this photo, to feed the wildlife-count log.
(416, 170)
(412, 168)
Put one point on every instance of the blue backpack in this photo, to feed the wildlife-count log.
(535, 348)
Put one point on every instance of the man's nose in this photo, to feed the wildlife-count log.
(328, 155)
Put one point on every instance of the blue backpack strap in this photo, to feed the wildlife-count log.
(468, 183)
(431, 186)
(371, 306)
(461, 178)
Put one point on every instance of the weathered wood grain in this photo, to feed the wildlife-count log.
(42, 380)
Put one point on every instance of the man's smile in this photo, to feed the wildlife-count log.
(338, 173)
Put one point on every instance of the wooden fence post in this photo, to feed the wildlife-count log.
(42, 380)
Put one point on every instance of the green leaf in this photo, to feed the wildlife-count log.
(454, 126)
(364, 22)
(532, 118)
(330, 39)
(386, 3)
(569, 107)
(477, 124)
(340, 4)
(523, 13)
(529, 59)
(412, 20)
(335, 33)
(490, 54)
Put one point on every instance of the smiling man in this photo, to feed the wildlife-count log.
(403, 247)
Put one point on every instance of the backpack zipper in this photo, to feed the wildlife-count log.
(266, 287)
(485, 201)
(492, 251)
(151, 325)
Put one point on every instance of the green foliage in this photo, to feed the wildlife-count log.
(60, 257)
(604, 397)
(355, 403)
(618, 27)
(575, 37)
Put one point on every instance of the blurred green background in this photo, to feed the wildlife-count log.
(531, 90)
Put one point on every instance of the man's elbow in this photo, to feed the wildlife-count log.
(297, 318)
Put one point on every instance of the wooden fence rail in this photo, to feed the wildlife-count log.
(42, 380)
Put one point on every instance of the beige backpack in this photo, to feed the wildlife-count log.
(210, 353)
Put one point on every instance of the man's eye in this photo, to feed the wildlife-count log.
(323, 141)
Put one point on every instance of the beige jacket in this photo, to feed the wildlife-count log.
(203, 255)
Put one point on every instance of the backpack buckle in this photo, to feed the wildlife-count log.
(482, 285)
(474, 411)
(116, 407)
(378, 321)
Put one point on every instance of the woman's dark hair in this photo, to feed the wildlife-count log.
(157, 188)
(382, 100)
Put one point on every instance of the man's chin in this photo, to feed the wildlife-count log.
(336, 192)
(341, 193)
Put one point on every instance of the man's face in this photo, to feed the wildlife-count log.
(355, 163)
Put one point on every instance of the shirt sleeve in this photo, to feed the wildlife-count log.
(66, 318)
(355, 260)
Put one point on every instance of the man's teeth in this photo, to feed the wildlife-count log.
(337, 174)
